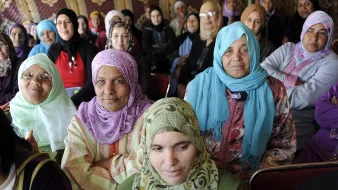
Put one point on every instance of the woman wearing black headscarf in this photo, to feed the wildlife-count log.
(73, 57)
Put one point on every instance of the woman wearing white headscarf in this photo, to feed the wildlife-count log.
(178, 22)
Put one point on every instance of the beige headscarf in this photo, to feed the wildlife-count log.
(254, 7)
(175, 113)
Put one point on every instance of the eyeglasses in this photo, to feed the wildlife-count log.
(210, 14)
(42, 77)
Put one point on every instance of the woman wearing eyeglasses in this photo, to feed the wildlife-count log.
(202, 49)
(42, 105)
(9, 66)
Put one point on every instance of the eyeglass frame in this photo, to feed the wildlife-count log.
(40, 77)
(210, 14)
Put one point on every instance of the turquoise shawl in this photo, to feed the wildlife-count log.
(207, 95)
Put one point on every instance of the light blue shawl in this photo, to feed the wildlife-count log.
(43, 48)
(207, 95)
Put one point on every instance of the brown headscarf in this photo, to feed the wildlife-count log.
(254, 7)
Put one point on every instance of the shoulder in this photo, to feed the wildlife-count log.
(277, 87)
(128, 183)
(229, 181)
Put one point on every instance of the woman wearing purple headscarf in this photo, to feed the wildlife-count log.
(324, 145)
(102, 141)
(308, 69)
(231, 12)
(18, 35)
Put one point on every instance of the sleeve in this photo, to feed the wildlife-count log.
(7, 97)
(326, 112)
(87, 92)
(50, 176)
(307, 95)
(128, 183)
(185, 74)
(125, 165)
(282, 143)
(33, 51)
(273, 63)
(53, 52)
(78, 161)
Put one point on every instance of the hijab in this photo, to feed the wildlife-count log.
(227, 12)
(251, 8)
(108, 127)
(42, 47)
(91, 26)
(167, 114)
(119, 24)
(21, 52)
(51, 118)
(213, 110)
(109, 16)
(6, 65)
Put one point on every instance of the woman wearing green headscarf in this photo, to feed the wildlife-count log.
(175, 156)
(42, 105)
(244, 114)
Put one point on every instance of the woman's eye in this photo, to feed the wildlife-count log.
(182, 147)
(156, 149)
(100, 82)
(119, 81)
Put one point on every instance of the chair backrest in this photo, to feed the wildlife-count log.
(288, 177)
(160, 84)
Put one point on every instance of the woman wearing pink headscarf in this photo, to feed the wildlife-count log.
(103, 136)
(308, 69)
(231, 11)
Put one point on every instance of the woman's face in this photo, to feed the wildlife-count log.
(96, 21)
(120, 38)
(17, 36)
(305, 8)
(232, 5)
(236, 60)
(210, 17)
(4, 52)
(254, 22)
(172, 156)
(82, 26)
(156, 17)
(268, 5)
(36, 84)
(192, 24)
(315, 38)
(33, 30)
(111, 89)
(180, 10)
(65, 27)
(48, 37)
(128, 21)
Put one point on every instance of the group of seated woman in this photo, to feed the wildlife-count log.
(239, 115)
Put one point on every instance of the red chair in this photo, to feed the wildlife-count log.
(160, 84)
(288, 177)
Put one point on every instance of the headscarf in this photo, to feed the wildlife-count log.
(21, 52)
(117, 24)
(178, 3)
(43, 48)
(227, 12)
(207, 95)
(254, 7)
(51, 118)
(178, 114)
(109, 16)
(70, 46)
(208, 34)
(91, 26)
(199, 23)
(317, 17)
(108, 127)
(6, 65)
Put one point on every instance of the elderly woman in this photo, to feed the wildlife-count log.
(243, 113)
(9, 66)
(308, 69)
(202, 49)
(48, 36)
(324, 144)
(42, 105)
(73, 57)
(111, 16)
(102, 139)
(231, 11)
(157, 42)
(254, 17)
(21, 168)
(18, 35)
(304, 9)
(175, 156)
(177, 23)
(84, 30)
(120, 38)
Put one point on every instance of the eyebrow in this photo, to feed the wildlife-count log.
(27, 70)
(101, 77)
(174, 145)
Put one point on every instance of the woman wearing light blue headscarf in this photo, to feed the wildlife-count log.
(48, 36)
(245, 118)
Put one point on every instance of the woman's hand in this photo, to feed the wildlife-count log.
(30, 138)
(334, 100)
(181, 90)
(105, 163)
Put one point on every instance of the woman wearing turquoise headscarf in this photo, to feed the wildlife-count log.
(243, 113)
(42, 105)
(47, 34)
